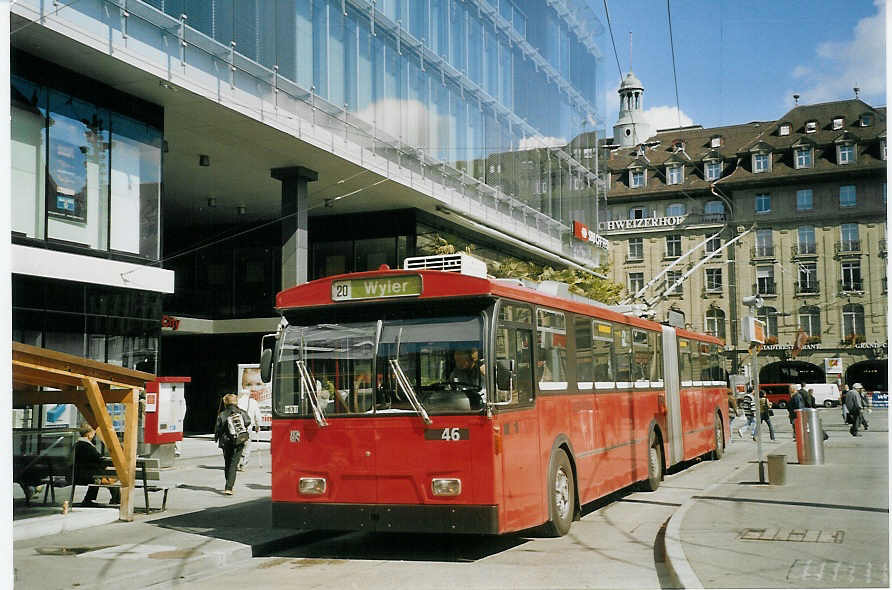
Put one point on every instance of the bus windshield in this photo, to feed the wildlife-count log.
(353, 366)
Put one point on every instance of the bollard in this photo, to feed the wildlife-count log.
(777, 469)
(809, 437)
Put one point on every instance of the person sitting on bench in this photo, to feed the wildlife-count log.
(88, 465)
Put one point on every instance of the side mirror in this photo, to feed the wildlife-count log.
(266, 365)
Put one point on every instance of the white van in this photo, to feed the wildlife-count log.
(826, 394)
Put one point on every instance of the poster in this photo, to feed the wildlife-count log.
(249, 381)
(67, 196)
(59, 415)
(833, 365)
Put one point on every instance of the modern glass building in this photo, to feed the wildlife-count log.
(225, 149)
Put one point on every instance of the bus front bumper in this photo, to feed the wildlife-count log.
(400, 518)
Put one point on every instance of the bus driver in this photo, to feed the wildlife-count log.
(468, 368)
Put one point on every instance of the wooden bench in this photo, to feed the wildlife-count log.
(43, 457)
(147, 469)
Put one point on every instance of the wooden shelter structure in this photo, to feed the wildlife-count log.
(42, 376)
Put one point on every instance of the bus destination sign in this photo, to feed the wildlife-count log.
(376, 288)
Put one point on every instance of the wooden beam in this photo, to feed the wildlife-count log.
(33, 398)
(87, 413)
(109, 437)
(72, 364)
(131, 424)
(37, 374)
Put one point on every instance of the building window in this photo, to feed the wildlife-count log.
(848, 236)
(808, 278)
(636, 282)
(847, 195)
(636, 248)
(674, 174)
(763, 203)
(866, 120)
(764, 243)
(838, 122)
(713, 280)
(845, 153)
(785, 129)
(853, 323)
(803, 157)
(810, 321)
(671, 278)
(811, 126)
(713, 244)
(636, 178)
(715, 323)
(713, 169)
(851, 276)
(714, 208)
(675, 209)
(765, 280)
(806, 240)
(769, 316)
(638, 213)
(673, 246)
(761, 163)
(805, 200)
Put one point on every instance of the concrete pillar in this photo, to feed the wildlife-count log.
(295, 246)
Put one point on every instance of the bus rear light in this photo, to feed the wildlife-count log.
(311, 486)
(446, 487)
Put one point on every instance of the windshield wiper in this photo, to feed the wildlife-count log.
(310, 387)
(407, 390)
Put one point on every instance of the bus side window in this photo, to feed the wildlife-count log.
(584, 360)
(684, 362)
(513, 352)
(657, 367)
(642, 357)
(602, 351)
(622, 354)
(551, 358)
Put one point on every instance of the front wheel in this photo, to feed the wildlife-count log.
(828, 403)
(562, 499)
(654, 464)
(719, 436)
(782, 404)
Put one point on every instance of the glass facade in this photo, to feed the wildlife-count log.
(447, 79)
(83, 174)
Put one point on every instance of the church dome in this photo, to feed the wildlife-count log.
(631, 82)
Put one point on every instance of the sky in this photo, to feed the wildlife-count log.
(742, 61)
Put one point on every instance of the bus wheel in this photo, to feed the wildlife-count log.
(654, 464)
(561, 496)
(719, 436)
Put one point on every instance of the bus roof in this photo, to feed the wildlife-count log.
(443, 285)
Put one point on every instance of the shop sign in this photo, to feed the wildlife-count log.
(625, 224)
(833, 365)
(872, 345)
(170, 322)
(582, 232)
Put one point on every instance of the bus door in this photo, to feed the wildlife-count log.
(674, 434)
(522, 484)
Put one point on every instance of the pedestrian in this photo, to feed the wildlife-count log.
(765, 412)
(797, 402)
(230, 434)
(732, 404)
(89, 465)
(808, 398)
(247, 400)
(864, 408)
(853, 405)
(842, 404)
(749, 410)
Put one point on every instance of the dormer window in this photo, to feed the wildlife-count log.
(785, 129)
(674, 174)
(803, 157)
(678, 145)
(641, 149)
(715, 142)
(636, 178)
(811, 126)
(866, 120)
(761, 162)
(712, 169)
(845, 153)
(838, 122)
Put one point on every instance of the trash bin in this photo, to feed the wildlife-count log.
(777, 469)
(809, 437)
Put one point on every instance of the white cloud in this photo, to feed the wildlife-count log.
(666, 117)
(839, 66)
(540, 141)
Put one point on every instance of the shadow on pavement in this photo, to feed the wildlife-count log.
(235, 522)
(186, 486)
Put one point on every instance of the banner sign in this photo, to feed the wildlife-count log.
(618, 224)
(582, 232)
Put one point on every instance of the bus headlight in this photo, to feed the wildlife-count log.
(311, 485)
(446, 487)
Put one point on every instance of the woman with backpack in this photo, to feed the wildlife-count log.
(231, 434)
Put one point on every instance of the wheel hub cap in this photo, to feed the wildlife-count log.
(562, 493)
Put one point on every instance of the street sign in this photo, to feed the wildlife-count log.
(753, 330)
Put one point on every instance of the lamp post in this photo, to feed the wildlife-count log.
(756, 337)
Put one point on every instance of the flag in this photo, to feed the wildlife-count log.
(801, 339)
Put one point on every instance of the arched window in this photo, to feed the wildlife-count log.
(853, 323)
(675, 209)
(769, 316)
(715, 323)
(810, 321)
(714, 208)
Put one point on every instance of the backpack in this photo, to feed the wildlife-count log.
(235, 427)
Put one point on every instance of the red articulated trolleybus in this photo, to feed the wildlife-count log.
(432, 401)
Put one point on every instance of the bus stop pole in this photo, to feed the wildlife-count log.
(758, 412)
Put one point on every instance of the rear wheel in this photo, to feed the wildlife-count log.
(654, 464)
(782, 404)
(828, 403)
(562, 498)
(719, 436)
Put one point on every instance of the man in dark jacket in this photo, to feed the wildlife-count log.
(88, 465)
(854, 406)
(232, 449)
(798, 401)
